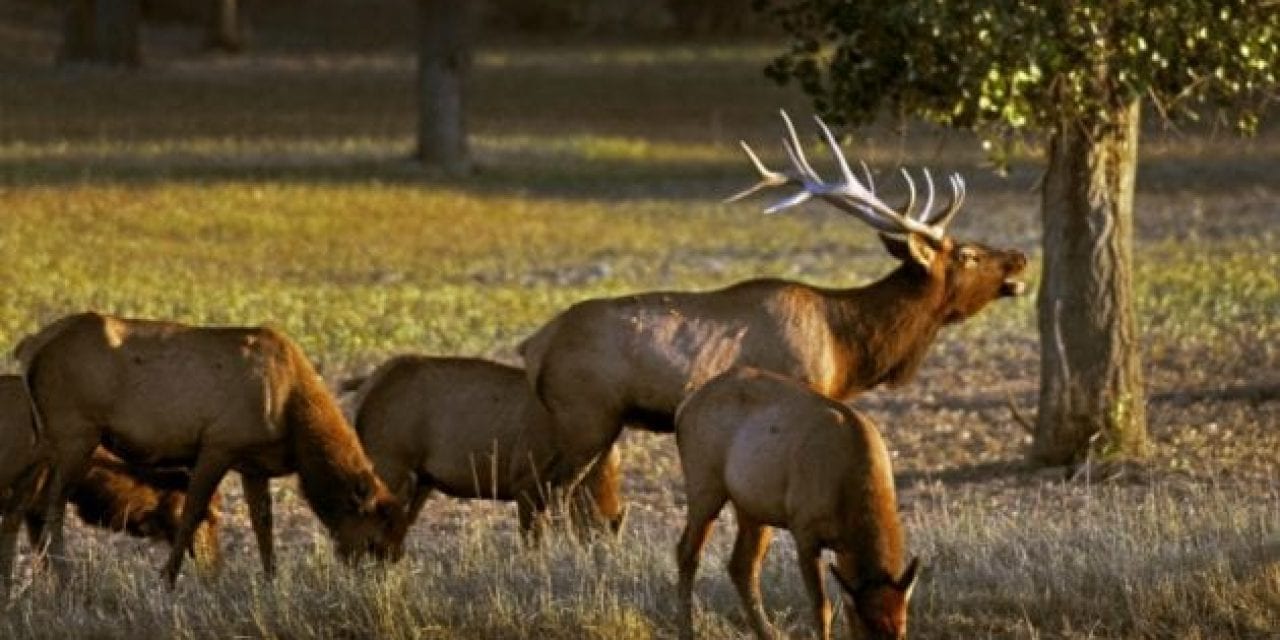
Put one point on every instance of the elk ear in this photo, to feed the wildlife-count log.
(923, 249)
(849, 588)
(907, 583)
(917, 248)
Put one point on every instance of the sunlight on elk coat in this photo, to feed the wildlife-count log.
(212, 399)
(787, 457)
(469, 428)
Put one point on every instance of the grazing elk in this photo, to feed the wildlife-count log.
(469, 428)
(114, 495)
(788, 457)
(607, 362)
(212, 400)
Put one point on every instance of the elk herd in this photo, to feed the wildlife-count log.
(136, 422)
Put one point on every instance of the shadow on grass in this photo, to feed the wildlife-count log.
(560, 176)
(1252, 393)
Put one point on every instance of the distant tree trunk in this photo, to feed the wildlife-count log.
(1091, 379)
(116, 32)
(444, 58)
(77, 32)
(222, 26)
(102, 31)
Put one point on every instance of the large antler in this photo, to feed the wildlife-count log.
(850, 195)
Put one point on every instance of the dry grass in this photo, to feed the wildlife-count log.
(273, 187)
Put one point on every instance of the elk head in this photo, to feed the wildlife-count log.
(374, 523)
(970, 275)
(879, 608)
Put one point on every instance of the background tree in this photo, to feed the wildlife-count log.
(102, 32)
(223, 30)
(1079, 73)
(447, 32)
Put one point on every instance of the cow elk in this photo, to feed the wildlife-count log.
(788, 457)
(468, 428)
(113, 495)
(604, 363)
(210, 400)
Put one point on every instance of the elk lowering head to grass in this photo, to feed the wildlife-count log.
(469, 428)
(608, 362)
(114, 495)
(211, 400)
(788, 457)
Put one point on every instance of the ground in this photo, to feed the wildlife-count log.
(275, 187)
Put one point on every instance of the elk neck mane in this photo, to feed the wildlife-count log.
(884, 329)
(331, 464)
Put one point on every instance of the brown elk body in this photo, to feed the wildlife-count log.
(211, 400)
(787, 457)
(468, 428)
(608, 362)
(113, 495)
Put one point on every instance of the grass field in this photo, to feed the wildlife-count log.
(275, 188)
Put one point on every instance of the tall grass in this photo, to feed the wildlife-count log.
(1062, 562)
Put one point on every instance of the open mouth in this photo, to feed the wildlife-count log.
(1013, 288)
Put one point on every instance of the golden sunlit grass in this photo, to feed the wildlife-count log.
(276, 188)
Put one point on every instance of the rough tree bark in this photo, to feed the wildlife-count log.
(102, 32)
(447, 28)
(222, 26)
(1091, 380)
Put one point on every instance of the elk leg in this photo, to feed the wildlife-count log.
(699, 522)
(257, 494)
(744, 567)
(206, 475)
(70, 461)
(585, 430)
(597, 505)
(809, 554)
(531, 509)
(15, 509)
(419, 500)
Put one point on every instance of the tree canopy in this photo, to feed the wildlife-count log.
(1016, 66)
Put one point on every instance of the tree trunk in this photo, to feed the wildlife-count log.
(1091, 383)
(444, 57)
(222, 26)
(77, 32)
(102, 31)
(116, 32)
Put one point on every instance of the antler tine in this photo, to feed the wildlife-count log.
(874, 210)
(865, 205)
(928, 203)
(911, 193)
(787, 203)
(768, 177)
(850, 196)
(801, 162)
(866, 173)
(941, 220)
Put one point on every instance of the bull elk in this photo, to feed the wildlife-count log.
(604, 363)
(113, 495)
(211, 399)
(468, 428)
(788, 457)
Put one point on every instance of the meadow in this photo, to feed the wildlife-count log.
(276, 188)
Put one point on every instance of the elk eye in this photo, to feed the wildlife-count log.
(968, 258)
